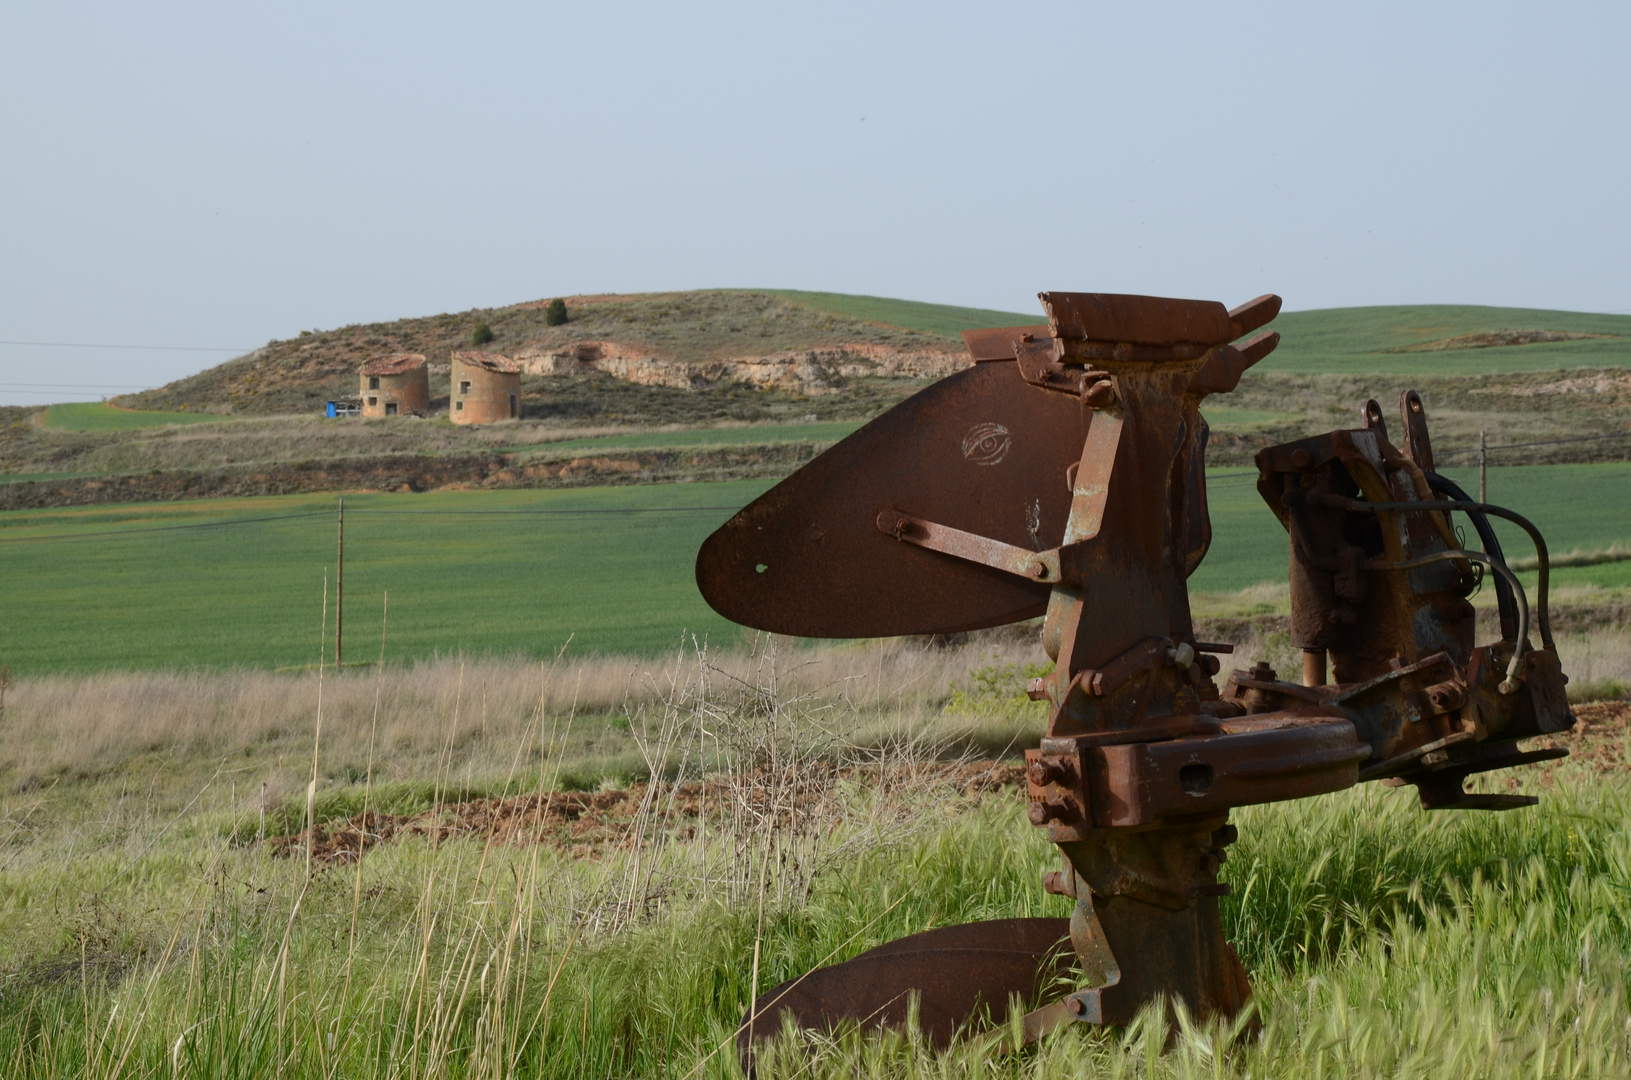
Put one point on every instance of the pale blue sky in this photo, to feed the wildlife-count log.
(217, 175)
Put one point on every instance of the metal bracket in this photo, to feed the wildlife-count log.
(1099, 967)
(1039, 566)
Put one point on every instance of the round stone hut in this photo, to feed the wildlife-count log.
(396, 385)
(486, 387)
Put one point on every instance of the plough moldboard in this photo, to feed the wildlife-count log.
(1063, 475)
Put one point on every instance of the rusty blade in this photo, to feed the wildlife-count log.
(957, 973)
(1138, 320)
(980, 451)
(998, 343)
(1253, 314)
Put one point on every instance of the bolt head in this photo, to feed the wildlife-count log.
(1101, 395)
(1076, 1005)
(1301, 458)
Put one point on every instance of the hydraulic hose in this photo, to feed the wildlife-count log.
(1492, 544)
(1468, 507)
(1510, 684)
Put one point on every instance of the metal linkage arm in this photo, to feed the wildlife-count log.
(1039, 566)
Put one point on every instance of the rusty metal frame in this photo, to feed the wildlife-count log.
(949, 512)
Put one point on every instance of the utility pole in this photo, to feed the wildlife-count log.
(339, 584)
(1483, 469)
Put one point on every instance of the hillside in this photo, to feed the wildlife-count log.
(737, 385)
(755, 354)
(1447, 339)
(680, 341)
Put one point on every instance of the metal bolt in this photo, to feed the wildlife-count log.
(1301, 458)
(1436, 757)
(1044, 772)
(1037, 689)
(1041, 813)
(1076, 1005)
(1101, 395)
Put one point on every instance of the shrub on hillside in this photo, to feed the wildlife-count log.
(555, 313)
(481, 335)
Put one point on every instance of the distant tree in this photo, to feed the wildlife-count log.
(555, 313)
(481, 335)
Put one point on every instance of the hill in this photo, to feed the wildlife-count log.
(681, 341)
(751, 352)
(1447, 339)
(740, 384)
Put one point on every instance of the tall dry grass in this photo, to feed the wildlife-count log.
(476, 710)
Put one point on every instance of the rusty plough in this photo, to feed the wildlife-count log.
(1063, 475)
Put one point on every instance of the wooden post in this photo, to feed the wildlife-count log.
(1483, 469)
(339, 584)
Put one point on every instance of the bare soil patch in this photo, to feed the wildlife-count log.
(586, 824)
(1498, 339)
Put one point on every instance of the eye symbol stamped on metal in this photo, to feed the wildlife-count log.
(987, 444)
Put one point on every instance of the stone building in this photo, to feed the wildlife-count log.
(485, 387)
(396, 385)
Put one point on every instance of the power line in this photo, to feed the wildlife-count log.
(49, 393)
(155, 348)
(79, 386)
(564, 513)
(608, 511)
(1542, 442)
(160, 528)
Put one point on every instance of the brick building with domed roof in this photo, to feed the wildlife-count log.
(486, 387)
(396, 385)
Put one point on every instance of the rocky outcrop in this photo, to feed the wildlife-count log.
(810, 371)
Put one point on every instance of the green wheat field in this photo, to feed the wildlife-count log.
(223, 583)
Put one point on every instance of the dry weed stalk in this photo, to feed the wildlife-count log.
(790, 775)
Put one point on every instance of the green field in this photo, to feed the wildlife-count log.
(1576, 507)
(476, 571)
(1361, 340)
(1357, 340)
(944, 320)
(756, 435)
(96, 416)
(1221, 417)
(516, 571)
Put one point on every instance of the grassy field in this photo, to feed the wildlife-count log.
(142, 586)
(1221, 418)
(473, 571)
(1575, 506)
(942, 320)
(1394, 339)
(1391, 340)
(145, 932)
(1372, 340)
(755, 435)
(96, 416)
